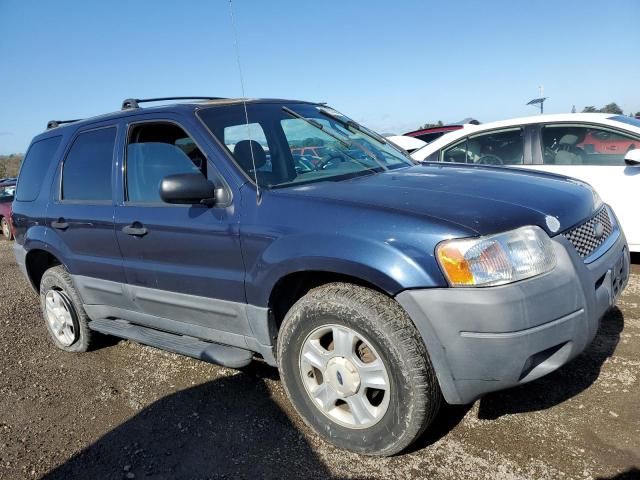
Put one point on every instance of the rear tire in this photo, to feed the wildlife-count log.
(6, 229)
(64, 317)
(327, 393)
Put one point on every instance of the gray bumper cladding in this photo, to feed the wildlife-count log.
(486, 339)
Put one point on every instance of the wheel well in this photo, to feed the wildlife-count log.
(291, 288)
(38, 262)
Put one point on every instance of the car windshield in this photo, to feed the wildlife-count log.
(6, 193)
(628, 120)
(285, 144)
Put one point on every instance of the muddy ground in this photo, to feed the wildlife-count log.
(129, 411)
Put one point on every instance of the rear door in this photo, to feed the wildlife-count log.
(595, 154)
(183, 263)
(81, 210)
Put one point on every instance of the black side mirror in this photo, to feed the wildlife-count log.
(188, 188)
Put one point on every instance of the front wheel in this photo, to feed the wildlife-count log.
(356, 369)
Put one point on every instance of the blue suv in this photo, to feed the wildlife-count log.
(376, 285)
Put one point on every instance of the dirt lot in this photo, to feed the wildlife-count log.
(128, 411)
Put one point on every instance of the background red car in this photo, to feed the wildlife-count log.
(7, 191)
(603, 141)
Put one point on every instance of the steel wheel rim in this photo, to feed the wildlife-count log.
(346, 378)
(5, 228)
(60, 315)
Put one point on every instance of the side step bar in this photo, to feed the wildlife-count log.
(224, 355)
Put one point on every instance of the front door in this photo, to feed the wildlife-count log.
(183, 263)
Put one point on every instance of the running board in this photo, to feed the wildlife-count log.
(224, 355)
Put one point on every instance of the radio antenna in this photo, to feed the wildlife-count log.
(244, 100)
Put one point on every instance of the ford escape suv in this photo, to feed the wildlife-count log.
(376, 285)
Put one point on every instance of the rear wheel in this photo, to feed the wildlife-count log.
(6, 229)
(65, 319)
(356, 369)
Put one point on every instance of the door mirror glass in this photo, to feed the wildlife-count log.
(632, 158)
(187, 188)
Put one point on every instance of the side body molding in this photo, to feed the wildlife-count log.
(220, 321)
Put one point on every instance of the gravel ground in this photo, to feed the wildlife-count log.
(129, 411)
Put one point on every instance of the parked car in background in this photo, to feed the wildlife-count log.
(7, 191)
(377, 286)
(598, 148)
(408, 144)
(432, 133)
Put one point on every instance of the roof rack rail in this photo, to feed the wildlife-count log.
(131, 103)
(56, 123)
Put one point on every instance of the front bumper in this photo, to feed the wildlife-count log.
(486, 339)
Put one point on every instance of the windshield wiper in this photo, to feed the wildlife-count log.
(349, 144)
(346, 144)
(317, 125)
(350, 124)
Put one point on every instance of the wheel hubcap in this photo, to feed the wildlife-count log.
(5, 228)
(344, 376)
(59, 313)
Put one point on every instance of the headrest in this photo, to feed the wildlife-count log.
(242, 152)
(568, 139)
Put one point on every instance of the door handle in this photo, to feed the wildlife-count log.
(60, 224)
(135, 229)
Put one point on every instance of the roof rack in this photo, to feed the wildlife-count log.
(56, 123)
(131, 103)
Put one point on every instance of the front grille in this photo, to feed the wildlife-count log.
(584, 237)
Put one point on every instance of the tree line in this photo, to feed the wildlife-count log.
(10, 164)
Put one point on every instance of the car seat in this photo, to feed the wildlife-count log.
(242, 154)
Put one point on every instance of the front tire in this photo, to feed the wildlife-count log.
(65, 318)
(356, 369)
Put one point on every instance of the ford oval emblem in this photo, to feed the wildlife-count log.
(598, 230)
(553, 223)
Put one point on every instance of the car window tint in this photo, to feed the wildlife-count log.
(154, 151)
(34, 166)
(86, 174)
(505, 147)
(585, 145)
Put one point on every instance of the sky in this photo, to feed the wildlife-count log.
(391, 65)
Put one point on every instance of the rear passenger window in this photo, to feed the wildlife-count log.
(86, 174)
(585, 145)
(34, 167)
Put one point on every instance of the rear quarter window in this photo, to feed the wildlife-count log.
(34, 167)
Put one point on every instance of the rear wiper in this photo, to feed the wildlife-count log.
(317, 125)
(350, 124)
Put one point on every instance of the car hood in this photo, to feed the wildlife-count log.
(482, 200)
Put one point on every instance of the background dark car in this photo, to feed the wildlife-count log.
(7, 190)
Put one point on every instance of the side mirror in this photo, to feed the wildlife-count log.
(632, 158)
(188, 188)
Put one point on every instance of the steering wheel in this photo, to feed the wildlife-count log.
(490, 159)
(327, 161)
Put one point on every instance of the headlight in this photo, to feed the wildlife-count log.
(496, 259)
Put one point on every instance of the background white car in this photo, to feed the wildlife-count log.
(405, 142)
(598, 148)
